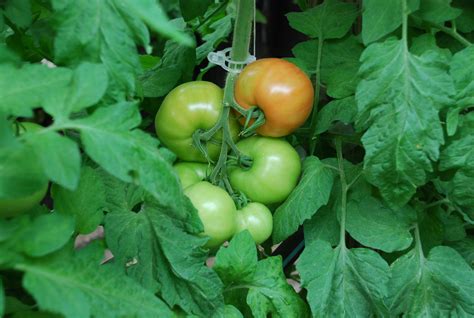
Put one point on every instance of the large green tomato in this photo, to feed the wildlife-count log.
(190, 173)
(273, 174)
(216, 210)
(10, 207)
(187, 108)
(257, 219)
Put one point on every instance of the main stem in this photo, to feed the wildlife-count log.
(239, 53)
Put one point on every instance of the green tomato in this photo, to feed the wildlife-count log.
(187, 108)
(10, 207)
(273, 174)
(190, 173)
(257, 219)
(216, 210)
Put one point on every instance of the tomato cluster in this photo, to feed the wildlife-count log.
(285, 96)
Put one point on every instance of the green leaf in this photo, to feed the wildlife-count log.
(158, 248)
(437, 11)
(151, 13)
(400, 109)
(339, 63)
(221, 30)
(380, 18)
(2, 298)
(268, 291)
(19, 12)
(465, 247)
(107, 135)
(271, 294)
(323, 226)
(84, 287)
(311, 193)
(338, 110)
(177, 64)
(427, 42)
(59, 157)
(375, 225)
(228, 311)
(465, 22)
(191, 9)
(453, 225)
(86, 203)
(342, 282)
(46, 234)
(238, 262)
(329, 20)
(441, 285)
(462, 72)
(22, 89)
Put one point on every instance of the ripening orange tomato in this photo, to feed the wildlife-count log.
(281, 90)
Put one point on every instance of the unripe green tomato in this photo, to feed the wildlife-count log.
(274, 172)
(187, 108)
(190, 173)
(257, 219)
(216, 210)
(10, 207)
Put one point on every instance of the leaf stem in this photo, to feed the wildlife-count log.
(344, 188)
(419, 246)
(452, 32)
(317, 91)
(405, 22)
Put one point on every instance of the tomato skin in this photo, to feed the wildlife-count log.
(11, 207)
(190, 173)
(281, 90)
(257, 219)
(216, 210)
(274, 173)
(188, 107)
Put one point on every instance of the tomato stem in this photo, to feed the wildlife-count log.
(344, 189)
(317, 90)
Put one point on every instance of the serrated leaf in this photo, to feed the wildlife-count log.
(46, 234)
(268, 291)
(107, 135)
(222, 29)
(381, 18)
(271, 294)
(19, 12)
(59, 157)
(329, 20)
(339, 110)
(339, 63)
(22, 89)
(323, 226)
(465, 247)
(311, 193)
(86, 203)
(375, 225)
(238, 262)
(441, 285)
(84, 287)
(437, 11)
(465, 22)
(427, 42)
(191, 9)
(342, 282)
(157, 247)
(228, 311)
(400, 109)
(453, 225)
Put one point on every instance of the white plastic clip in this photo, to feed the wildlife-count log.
(222, 58)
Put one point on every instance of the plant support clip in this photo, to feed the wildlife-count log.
(222, 58)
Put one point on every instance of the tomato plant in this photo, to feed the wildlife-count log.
(257, 219)
(187, 108)
(273, 172)
(349, 175)
(216, 210)
(281, 90)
